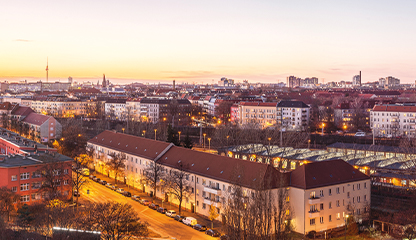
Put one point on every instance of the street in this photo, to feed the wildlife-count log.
(165, 226)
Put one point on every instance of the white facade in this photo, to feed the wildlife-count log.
(115, 110)
(257, 113)
(393, 120)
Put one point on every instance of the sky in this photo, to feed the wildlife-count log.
(202, 41)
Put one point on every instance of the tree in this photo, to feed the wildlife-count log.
(171, 135)
(117, 164)
(78, 178)
(115, 220)
(223, 110)
(5, 120)
(213, 214)
(73, 139)
(187, 142)
(54, 175)
(176, 183)
(7, 200)
(152, 174)
(24, 217)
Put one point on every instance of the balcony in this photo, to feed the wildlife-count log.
(314, 200)
(314, 214)
(212, 202)
(212, 190)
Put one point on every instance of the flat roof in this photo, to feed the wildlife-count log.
(10, 161)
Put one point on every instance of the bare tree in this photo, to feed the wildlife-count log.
(115, 220)
(176, 183)
(78, 179)
(7, 200)
(117, 163)
(153, 173)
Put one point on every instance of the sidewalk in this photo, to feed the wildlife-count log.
(187, 213)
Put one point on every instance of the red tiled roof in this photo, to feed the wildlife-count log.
(232, 170)
(36, 119)
(394, 108)
(22, 111)
(325, 173)
(138, 146)
(6, 106)
(85, 90)
(260, 104)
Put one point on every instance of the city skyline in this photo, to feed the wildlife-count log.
(198, 42)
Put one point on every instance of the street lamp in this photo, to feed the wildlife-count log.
(323, 125)
(346, 225)
(204, 140)
(122, 129)
(144, 133)
(209, 143)
(269, 141)
(155, 133)
(227, 140)
(179, 132)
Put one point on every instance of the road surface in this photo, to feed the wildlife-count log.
(165, 226)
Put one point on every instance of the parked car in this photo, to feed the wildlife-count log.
(360, 134)
(170, 213)
(135, 198)
(224, 237)
(200, 227)
(120, 190)
(145, 202)
(97, 180)
(127, 194)
(154, 206)
(114, 187)
(212, 233)
(190, 221)
(76, 193)
(179, 218)
(103, 182)
(92, 176)
(108, 185)
(162, 210)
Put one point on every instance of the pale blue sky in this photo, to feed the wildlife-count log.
(203, 40)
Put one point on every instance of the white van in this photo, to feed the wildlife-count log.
(360, 134)
(190, 221)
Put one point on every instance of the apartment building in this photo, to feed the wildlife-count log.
(133, 109)
(292, 115)
(156, 110)
(21, 161)
(210, 179)
(115, 109)
(256, 113)
(392, 120)
(60, 107)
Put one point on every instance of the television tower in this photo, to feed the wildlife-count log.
(47, 69)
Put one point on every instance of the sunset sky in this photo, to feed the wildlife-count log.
(197, 41)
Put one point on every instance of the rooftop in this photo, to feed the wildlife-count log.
(9, 161)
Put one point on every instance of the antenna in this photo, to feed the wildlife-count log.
(47, 69)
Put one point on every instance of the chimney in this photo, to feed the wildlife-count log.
(174, 85)
(360, 79)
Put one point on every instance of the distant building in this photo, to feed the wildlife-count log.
(255, 114)
(392, 81)
(356, 80)
(292, 115)
(381, 82)
(392, 120)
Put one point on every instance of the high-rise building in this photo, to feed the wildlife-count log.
(392, 81)
(104, 81)
(356, 80)
(382, 82)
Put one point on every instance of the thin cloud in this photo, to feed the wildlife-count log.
(22, 40)
(188, 74)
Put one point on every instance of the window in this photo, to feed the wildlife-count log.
(321, 219)
(358, 186)
(36, 185)
(353, 187)
(330, 205)
(365, 185)
(14, 177)
(321, 207)
(321, 193)
(337, 190)
(330, 218)
(24, 176)
(14, 189)
(24, 198)
(24, 187)
(337, 203)
(66, 182)
(65, 171)
(338, 216)
(365, 197)
(358, 211)
(312, 221)
(330, 192)
(35, 196)
(348, 194)
(312, 195)
(204, 206)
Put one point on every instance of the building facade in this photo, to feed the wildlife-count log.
(393, 120)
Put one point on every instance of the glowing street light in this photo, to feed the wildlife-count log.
(323, 125)
(179, 132)
(144, 133)
(155, 133)
(269, 141)
(227, 139)
(122, 129)
(204, 140)
(209, 144)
